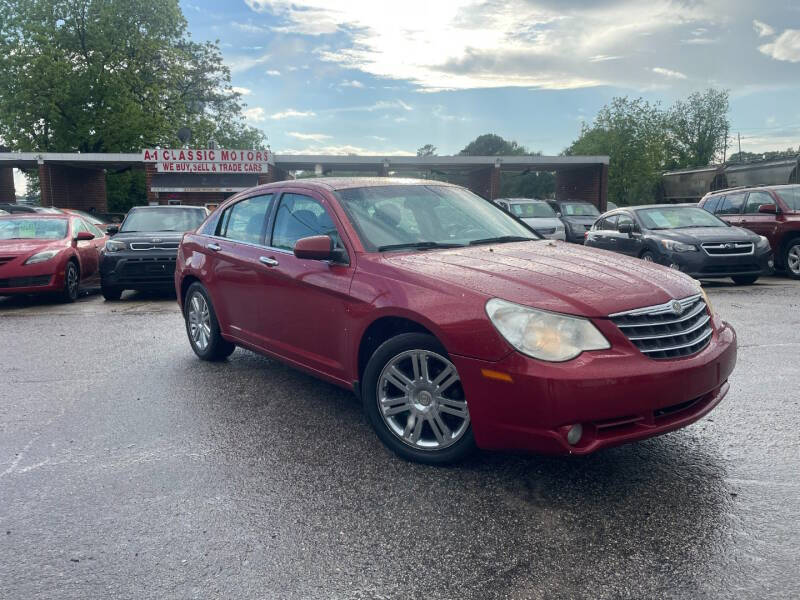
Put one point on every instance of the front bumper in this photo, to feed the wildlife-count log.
(31, 284)
(617, 395)
(138, 269)
(700, 265)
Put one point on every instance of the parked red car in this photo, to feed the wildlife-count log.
(455, 323)
(770, 210)
(48, 253)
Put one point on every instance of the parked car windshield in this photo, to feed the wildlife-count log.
(16, 228)
(163, 219)
(678, 217)
(532, 210)
(578, 209)
(791, 196)
(429, 216)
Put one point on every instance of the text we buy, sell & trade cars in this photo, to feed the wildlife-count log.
(455, 324)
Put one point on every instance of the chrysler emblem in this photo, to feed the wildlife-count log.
(677, 307)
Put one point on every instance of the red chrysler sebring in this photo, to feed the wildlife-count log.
(53, 253)
(454, 323)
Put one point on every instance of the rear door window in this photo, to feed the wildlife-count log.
(731, 205)
(246, 220)
(711, 204)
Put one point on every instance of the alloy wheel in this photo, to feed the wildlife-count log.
(421, 400)
(72, 280)
(793, 259)
(199, 321)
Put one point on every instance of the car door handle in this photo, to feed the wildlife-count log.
(214, 247)
(270, 262)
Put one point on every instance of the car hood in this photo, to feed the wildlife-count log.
(148, 236)
(579, 220)
(543, 222)
(699, 235)
(552, 276)
(21, 247)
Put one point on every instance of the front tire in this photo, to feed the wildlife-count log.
(791, 258)
(72, 280)
(745, 279)
(202, 326)
(648, 256)
(413, 397)
(111, 293)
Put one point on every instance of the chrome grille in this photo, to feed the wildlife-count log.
(154, 246)
(728, 248)
(662, 332)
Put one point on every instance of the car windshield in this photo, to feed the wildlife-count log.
(791, 196)
(532, 210)
(678, 218)
(578, 209)
(163, 219)
(427, 216)
(16, 228)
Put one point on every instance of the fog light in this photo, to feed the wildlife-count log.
(574, 434)
(770, 263)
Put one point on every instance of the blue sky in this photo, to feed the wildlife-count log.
(385, 78)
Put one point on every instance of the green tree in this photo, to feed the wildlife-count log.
(490, 144)
(632, 133)
(111, 76)
(698, 128)
(427, 150)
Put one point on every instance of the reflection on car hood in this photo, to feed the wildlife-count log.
(699, 235)
(19, 247)
(543, 222)
(553, 276)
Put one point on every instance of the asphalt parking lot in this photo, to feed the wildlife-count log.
(130, 469)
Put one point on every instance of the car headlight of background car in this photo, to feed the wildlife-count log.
(674, 246)
(762, 243)
(41, 257)
(114, 246)
(544, 335)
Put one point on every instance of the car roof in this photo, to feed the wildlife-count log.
(531, 200)
(171, 206)
(344, 183)
(35, 215)
(747, 188)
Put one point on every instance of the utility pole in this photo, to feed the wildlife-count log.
(739, 136)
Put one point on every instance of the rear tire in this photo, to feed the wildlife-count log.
(791, 258)
(413, 397)
(745, 279)
(111, 293)
(72, 279)
(202, 326)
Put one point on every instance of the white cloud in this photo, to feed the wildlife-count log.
(602, 58)
(244, 63)
(309, 137)
(378, 138)
(248, 27)
(354, 83)
(274, 73)
(242, 90)
(290, 113)
(700, 41)
(669, 73)
(762, 29)
(345, 149)
(255, 114)
(785, 47)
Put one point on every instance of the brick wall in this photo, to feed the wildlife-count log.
(485, 182)
(7, 192)
(587, 183)
(71, 187)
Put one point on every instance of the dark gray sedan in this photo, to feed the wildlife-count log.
(684, 238)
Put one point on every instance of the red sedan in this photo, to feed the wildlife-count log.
(454, 323)
(54, 253)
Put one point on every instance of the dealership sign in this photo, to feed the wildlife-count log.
(208, 161)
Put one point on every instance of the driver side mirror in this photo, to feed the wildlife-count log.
(318, 247)
(112, 229)
(770, 209)
(628, 228)
(84, 236)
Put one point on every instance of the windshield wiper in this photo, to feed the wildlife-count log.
(502, 239)
(418, 246)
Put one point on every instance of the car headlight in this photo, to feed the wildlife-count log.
(678, 246)
(112, 246)
(544, 335)
(41, 257)
(762, 242)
